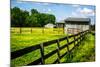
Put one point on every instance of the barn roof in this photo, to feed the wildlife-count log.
(78, 20)
(60, 22)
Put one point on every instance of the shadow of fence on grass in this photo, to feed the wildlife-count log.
(77, 41)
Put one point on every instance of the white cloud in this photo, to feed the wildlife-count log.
(37, 3)
(75, 14)
(83, 12)
(86, 11)
(45, 3)
(40, 3)
(76, 5)
(78, 9)
(49, 10)
(21, 2)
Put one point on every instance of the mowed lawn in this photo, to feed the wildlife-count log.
(26, 39)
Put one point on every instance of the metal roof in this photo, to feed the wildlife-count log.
(60, 22)
(83, 21)
(78, 19)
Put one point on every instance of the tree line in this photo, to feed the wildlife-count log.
(23, 18)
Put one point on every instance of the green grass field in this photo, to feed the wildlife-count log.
(26, 39)
(86, 51)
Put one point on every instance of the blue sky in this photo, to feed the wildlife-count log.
(61, 11)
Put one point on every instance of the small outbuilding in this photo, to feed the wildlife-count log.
(75, 25)
(49, 25)
(60, 24)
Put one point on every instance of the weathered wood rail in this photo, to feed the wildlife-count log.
(41, 46)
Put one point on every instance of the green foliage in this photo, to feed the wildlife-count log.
(34, 11)
(32, 20)
(46, 18)
(14, 16)
(92, 27)
(20, 18)
(85, 52)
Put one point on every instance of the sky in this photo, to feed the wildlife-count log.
(61, 11)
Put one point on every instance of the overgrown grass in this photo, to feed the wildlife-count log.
(85, 52)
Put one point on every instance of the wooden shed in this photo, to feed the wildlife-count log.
(60, 24)
(75, 25)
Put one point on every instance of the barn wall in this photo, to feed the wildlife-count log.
(80, 27)
(85, 27)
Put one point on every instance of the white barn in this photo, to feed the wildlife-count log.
(75, 25)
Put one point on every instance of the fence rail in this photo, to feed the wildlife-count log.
(41, 46)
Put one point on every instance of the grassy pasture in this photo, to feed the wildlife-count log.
(26, 39)
(86, 51)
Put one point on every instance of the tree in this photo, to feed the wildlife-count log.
(46, 18)
(21, 18)
(25, 15)
(15, 18)
(34, 11)
(52, 19)
(18, 17)
(92, 27)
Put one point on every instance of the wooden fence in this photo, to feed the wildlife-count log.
(37, 30)
(41, 46)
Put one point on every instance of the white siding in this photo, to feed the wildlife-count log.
(86, 27)
(49, 25)
(81, 27)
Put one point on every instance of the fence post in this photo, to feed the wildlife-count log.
(42, 53)
(67, 43)
(58, 51)
(31, 29)
(77, 39)
(80, 38)
(74, 41)
(20, 30)
(68, 58)
(83, 35)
